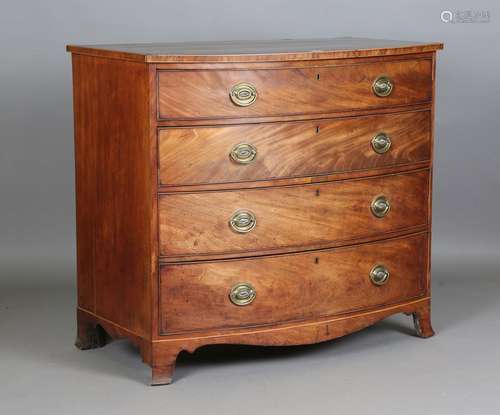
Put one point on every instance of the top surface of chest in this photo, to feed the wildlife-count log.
(256, 51)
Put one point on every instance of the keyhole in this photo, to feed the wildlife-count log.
(317, 129)
(316, 260)
(317, 77)
(317, 192)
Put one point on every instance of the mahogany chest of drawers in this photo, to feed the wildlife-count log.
(264, 193)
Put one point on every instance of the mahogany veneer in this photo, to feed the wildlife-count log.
(290, 217)
(287, 148)
(266, 193)
(193, 296)
(294, 91)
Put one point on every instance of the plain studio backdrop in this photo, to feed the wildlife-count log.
(37, 219)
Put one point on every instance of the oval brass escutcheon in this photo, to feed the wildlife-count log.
(382, 86)
(242, 294)
(243, 94)
(243, 153)
(380, 206)
(242, 221)
(379, 275)
(381, 143)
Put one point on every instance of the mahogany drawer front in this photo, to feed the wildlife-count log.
(205, 94)
(294, 217)
(252, 152)
(196, 296)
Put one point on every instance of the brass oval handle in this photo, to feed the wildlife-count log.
(381, 143)
(379, 275)
(243, 94)
(242, 294)
(243, 153)
(242, 221)
(380, 206)
(382, 86)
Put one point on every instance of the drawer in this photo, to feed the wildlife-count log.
(206, 94)
(252, 152)
(284, 288)
(301, 216)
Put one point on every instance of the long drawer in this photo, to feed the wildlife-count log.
(297, 217)
(259, 291)
(208, 94)
(252, 152)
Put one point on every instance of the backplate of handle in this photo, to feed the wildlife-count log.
(243, 94)
(243, 153)
(380, 206)
(382, 86)
(242, 221)
(242, 294)
(381, 143)
(379, 275)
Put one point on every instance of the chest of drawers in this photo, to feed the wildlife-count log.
(264, 193)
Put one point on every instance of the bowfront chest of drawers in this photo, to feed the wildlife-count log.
(264, 193)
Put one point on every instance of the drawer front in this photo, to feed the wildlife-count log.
(206, 94)
(253, 152)
(291, 287)
(252, 220)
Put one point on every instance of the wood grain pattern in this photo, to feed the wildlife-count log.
(113, 190)
(256, 50)
(293, 249)
(200, 155)
(338, 176)
(295, 216)
(291, 287)
(296, 117)
(205, 93)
